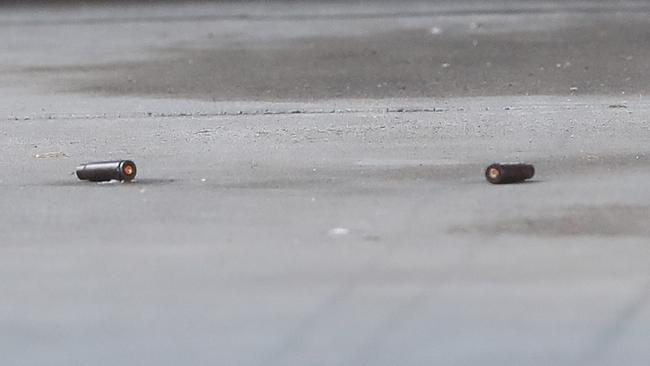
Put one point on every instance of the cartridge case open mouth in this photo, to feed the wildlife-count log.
(494, 173)
(128, 170)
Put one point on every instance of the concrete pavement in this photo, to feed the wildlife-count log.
(310, 184)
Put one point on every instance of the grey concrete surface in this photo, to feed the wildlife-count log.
(310, 186)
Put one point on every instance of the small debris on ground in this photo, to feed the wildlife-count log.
(338, 231)
(435, 30)
(52, 154)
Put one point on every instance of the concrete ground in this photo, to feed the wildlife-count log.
(310, 186)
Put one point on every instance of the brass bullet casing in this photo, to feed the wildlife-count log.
(504, 173)
(103, 171)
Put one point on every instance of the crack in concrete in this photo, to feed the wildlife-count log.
(224, 113)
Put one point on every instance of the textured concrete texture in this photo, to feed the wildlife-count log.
(310, 183)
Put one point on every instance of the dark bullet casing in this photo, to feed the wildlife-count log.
(509, 173)
(103, 171)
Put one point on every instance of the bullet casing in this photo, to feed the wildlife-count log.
(504, 173)
(123, 170)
